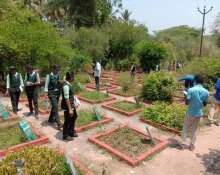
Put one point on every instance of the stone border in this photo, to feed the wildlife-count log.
(119, 110)
(13, 117)
(96, 101)
(92, 86)
(160, 126)
(43, 139)
(94, 124)
(129, 160)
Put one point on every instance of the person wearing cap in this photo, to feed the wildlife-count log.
(14, 87)
(52, 90)
(68, 106)
(97, 74)
(32, 81)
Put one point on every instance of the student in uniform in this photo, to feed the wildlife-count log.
(68, 105)
(32, 81)
(14, 87)
(52, 90)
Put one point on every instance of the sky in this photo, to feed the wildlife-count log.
(162, 14)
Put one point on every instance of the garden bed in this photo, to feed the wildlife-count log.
(23, 97)
(12, 138)
(128, 143)
(42, 160)
(12, 116)
(129, 93)
(94, 97)
(86, 119)
(102, 87)
(124, 107)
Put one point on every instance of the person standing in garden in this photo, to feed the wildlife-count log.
(52, 90)
(158, 67)
(32, 81)
(133, 69)
(214, 114)
(169, 67)
(97, 74)
(189, 80)
(68, 106)
(14, 87)
(196, 99)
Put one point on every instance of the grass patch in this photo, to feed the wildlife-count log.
(94, 95)
(10, 136)
(125, 106)
(128, 141)
(128, 92)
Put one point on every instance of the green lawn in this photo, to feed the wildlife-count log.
(125, 106)
(94, 95)
(129, 92)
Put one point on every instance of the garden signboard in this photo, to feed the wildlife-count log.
(27, 130)
(3, 111)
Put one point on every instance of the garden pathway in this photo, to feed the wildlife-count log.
(205, 157)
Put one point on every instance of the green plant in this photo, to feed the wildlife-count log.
(124, 79)
(171, 115)
(85, 117)
(94, 95)
(125, 106)
(158, 86)
(38, 160)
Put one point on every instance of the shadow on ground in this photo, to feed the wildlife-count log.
(211, 161)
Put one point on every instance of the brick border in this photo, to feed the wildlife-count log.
(94, 124)
(43, 139)
(160, 126)
(96, 101)
(92, 86)
(119, 110)
(22, 100)
(13, 117)
(129, 160)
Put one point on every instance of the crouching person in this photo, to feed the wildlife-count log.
(67, 104)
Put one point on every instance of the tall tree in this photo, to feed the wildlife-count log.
(125, 15)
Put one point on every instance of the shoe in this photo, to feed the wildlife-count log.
(30, 113)
(179, 146)
(51, 121)
(66, 138)
(216, 123)
(191, 147)
(60, 126)
(36, 116)
(73, 134)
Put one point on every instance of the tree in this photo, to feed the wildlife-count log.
(125, 15)
(216, 24)
(150, 54)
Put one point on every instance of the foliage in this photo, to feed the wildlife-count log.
(125, 106)
(126, 81)
(85, 117)
(132, 91)
(10, 136)
(150, 55)
(94, 95)
(79, 80)
(39, 160)
(166, 114)
(158, 86)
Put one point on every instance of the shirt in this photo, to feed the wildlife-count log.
(187, 77)
(217, 88)
(66, 90)
(196, 96)
(37, 75)
(8, 80)
(47, 81)
(97, 72)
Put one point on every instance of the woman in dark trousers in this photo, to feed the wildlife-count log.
(14, 87)
(67, 104)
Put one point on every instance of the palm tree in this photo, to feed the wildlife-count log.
(125, 15)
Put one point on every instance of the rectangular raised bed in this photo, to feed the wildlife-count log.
(96, 101)
(131, 161)
(13, 116)
(41, 140)
(93, 86)
(107, 105)
(119, 94)
(42, 111)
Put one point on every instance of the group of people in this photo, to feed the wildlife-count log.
(54, 87)
(197, 98)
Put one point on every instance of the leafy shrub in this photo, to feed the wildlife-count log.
(158, 86)
(166, 114)
(124, 79)
(150, 54)
(80, 78)
(124, 65)
(39, 160)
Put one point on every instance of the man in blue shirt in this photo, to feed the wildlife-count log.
(196, 99)
(189, 80)
(215, 108)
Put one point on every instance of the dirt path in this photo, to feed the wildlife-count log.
(205, 157)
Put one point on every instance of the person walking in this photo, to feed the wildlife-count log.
(97, 74)
(32, 81)
(52, 90)
(68, 105)
(14, 87)
(214, 113)
(133, 69)
(196, 99)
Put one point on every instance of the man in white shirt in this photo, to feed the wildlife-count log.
(97, 74)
